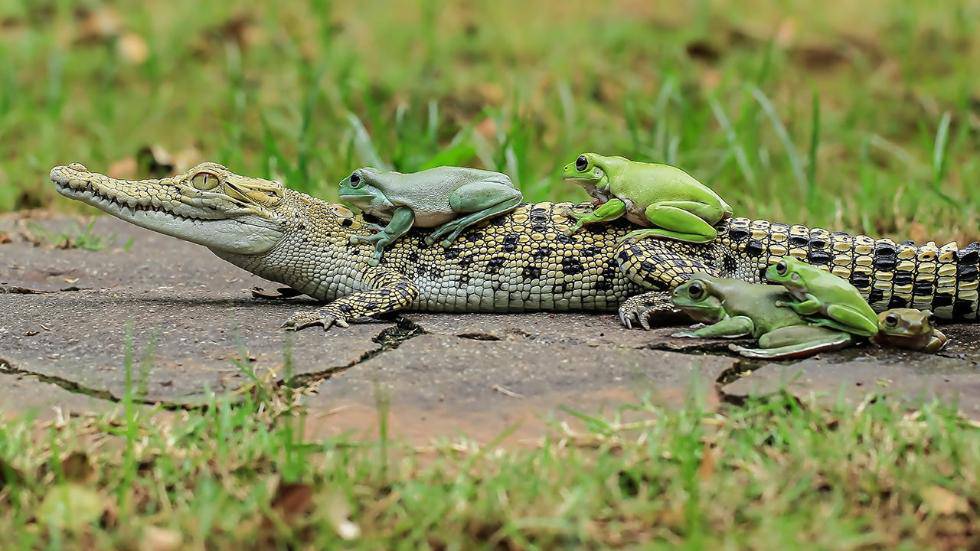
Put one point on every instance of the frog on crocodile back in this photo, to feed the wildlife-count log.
(665, 200)
(449, 199)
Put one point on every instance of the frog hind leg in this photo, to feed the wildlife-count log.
(687, 221)
(478, 201)
(795, 342)
(852, 320)
(733, 327)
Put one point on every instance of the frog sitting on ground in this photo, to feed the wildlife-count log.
(823, 298)
(909, 328)
(449, 199)
(735, 308)
(665, 199)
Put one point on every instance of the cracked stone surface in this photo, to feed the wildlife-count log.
(472, 386)
(189, 314)
(65, 329)
(849, 376)
(44, 400)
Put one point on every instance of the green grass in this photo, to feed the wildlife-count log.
(767, 475)
(858, 117)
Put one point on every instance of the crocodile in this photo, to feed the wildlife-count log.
(518, 262)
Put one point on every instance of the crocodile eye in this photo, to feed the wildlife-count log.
(205, 181)
(781, 267)
(581, 163)
(696, 290)
(891, 320)
(355, 180)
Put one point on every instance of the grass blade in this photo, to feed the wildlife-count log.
(794, 156)
(741, 159)
(363, 144)
(940, 151)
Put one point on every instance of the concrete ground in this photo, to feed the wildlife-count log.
(71, 320)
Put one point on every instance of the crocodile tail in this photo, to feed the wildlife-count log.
(889, 274)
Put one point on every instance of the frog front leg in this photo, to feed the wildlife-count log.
(478, 201)
(728, 328)
(401, 221)
(606, 212)
(688, 221)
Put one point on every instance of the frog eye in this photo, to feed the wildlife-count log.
(205, 180)
(581, 163)
(355, 180)
(891, 320)
(696, 290)
(781, 267)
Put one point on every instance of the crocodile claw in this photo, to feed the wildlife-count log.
(644, 309)
(324, 317)
(635, 311)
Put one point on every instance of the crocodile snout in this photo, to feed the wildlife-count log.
(74, 175)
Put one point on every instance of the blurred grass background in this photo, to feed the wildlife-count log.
(858, 116)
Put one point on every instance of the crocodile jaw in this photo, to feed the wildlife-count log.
(155, 205)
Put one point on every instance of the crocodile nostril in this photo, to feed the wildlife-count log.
(78, 166)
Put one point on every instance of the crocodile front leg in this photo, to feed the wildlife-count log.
(390, 292)
(662, 265)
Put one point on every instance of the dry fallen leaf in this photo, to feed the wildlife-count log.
(97, 25)
(160, 539)
(293, 499)
(5, 238)
(709, 459)
(77, 467)
(941, 501)
(132, 48)
(487, 128)
(820, 57)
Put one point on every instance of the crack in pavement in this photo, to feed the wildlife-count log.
(7, 368)
(389, 338)
(17, 290)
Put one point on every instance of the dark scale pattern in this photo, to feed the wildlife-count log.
(524, 261)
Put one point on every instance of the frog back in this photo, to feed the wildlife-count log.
(831, 289)
(758, 303)
(648, 183)
(427, 192)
